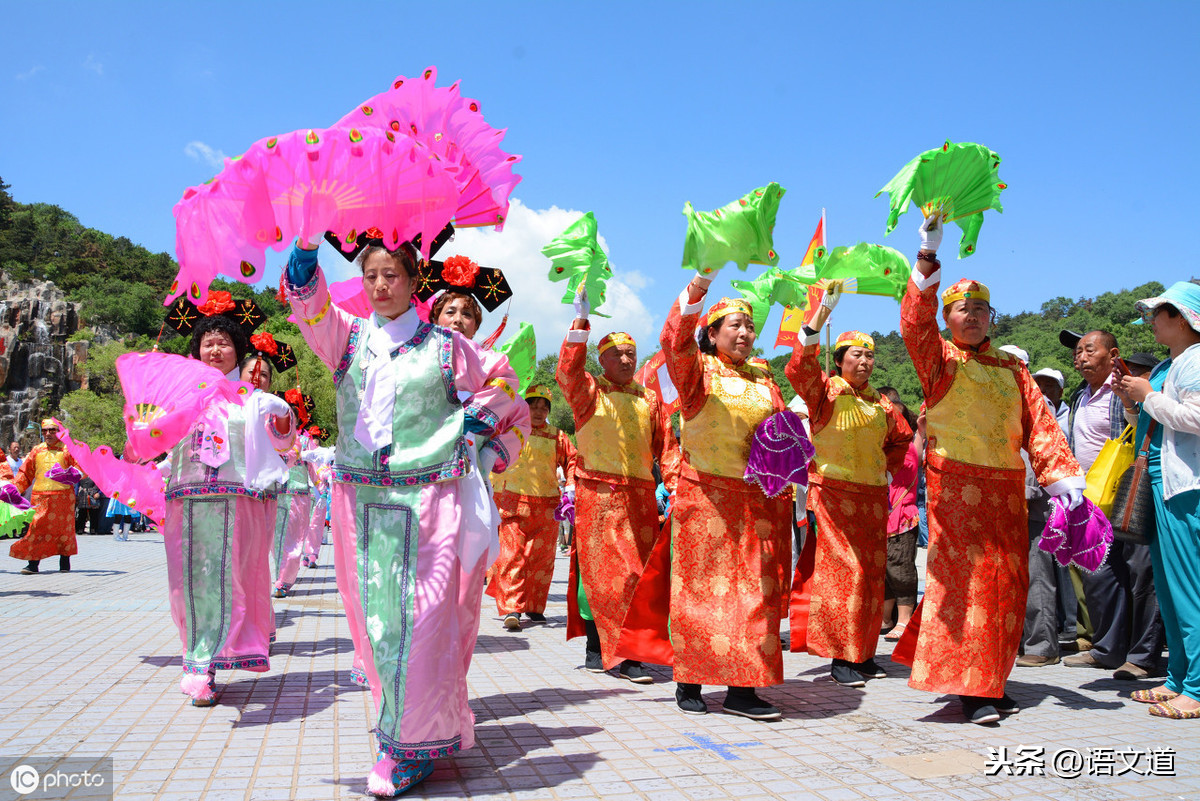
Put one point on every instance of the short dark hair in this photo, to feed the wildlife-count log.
(224, 325)
(838, 355)
(1107, 339)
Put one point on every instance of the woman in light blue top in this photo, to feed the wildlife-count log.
(1171, 399)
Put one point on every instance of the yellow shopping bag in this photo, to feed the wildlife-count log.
(1115, 458)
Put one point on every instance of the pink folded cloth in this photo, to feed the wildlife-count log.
(9, 494)
(64, 475)
(779, 454)
(1079, 536)
(565, 510)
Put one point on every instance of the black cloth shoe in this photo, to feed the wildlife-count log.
(64, 564)
(512, 621)
(745, 702)
(1006, 705)
(870, 670)
(687, 698)
(593, 662)
(31, 568)
(843, 673)
(535, 617)
(979, 710)
(632, 670)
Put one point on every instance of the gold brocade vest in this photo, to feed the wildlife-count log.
(979, 420)
(717, 440)
(850, 446)
(617, 439)
(45, 460)
(534, 473)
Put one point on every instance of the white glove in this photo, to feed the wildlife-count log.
(582, 307)
(931, 233)
(274, 405)
(487, 460)
(833, 294)
(570, 493)
(1073, 498)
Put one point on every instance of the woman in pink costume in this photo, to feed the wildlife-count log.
(410, 555)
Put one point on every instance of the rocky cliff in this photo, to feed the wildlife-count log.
(37, 364)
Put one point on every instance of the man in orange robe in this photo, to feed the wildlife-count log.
(621, 430)
(52, 530)
(982, 408)
(526, 496)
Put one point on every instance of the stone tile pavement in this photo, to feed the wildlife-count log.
(89, 667)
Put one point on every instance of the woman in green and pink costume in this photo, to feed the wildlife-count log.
(423, 414)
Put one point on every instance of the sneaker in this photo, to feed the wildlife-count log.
(64, 564)
(535, 617)
(1006, 705)
(512, 621)
(1082, 659)
(593, 662)
(1033, 660)
(843, 673)
(979, 710)
(1131, 672)
(745, 702)
(869, 670)
(634, 672)
(687, 698)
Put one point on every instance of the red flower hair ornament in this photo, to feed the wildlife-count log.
(217, 303)
(263, 342)
(460, 271)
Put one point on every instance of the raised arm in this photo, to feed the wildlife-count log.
(577, 384)
(685, 364)
(325, 327)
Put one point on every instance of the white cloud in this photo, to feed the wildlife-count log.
(24, 76)
(202, 152)
(92, 64)
(517, 250)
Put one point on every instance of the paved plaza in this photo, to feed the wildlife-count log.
(90, 667)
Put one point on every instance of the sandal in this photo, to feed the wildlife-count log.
(895, 633)
(1165, 710)
(1153, 696)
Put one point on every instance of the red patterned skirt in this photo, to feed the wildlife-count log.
(52, 530)
(520, 578)
(966, 637)
(730, 549)
(840, 608)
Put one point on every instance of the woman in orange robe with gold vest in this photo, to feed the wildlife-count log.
(730, 543)
(982, 409)
(526, 496)
(621, 430)
(52, 530)
(860, 438)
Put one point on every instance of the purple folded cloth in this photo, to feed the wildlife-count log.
(1079, 536)
(565, 510)
(68, 475)
(9, 494)
(779, 454)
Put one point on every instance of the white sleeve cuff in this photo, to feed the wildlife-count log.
(577, 336)
(922, 283)
(1065, 485)
(686, 308)
(809, 339)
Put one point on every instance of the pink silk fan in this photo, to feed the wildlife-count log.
(138, 486)
(302, 184)
(454, 129)
(164, 395)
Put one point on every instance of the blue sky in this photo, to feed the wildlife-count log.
(112, 109)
